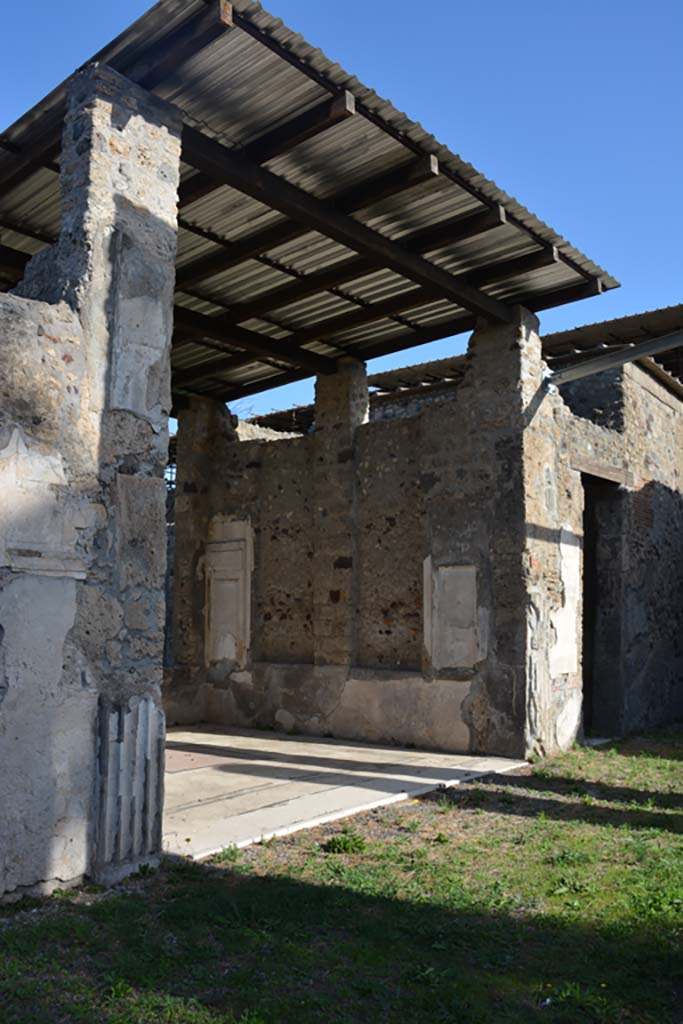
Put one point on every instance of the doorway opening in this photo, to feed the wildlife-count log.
(603, 693)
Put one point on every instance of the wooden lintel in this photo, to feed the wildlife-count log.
(237, 171)
(615, 474)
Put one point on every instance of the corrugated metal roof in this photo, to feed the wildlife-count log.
(562, 347)
(251, 80)
(572, 345)
(390, 386)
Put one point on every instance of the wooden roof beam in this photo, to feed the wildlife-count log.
(518, 266)
(494, 273)
(616, 357)
(224, 363)
(458, 228)
(444, 330)
(162, 60)
(19, 228)
(380, 187)
(326, 330)
(299, 129)
(265, 187)
(258, 387)
(251, 341)
(185, 378)
(562, 296)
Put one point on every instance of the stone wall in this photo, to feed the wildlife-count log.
(391, 543)
(652, 555)
(402, 544)
(85, 381)
(419, 580)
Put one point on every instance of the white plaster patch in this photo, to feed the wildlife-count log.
(47, 740)
(140, 342)
(455, 632)
(568, 721)
(39, 537)
(564, 654)
(286, 720)
(403, 709)
(229, 562)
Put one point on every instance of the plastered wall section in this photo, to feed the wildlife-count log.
(47, 710)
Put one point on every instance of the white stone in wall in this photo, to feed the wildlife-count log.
(37, 534)
(453, 637)
(130, 754)
(140, 342)
(568, 721)
(229, 561)
(564, 654)
(47, 748)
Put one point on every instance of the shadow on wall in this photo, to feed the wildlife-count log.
(632, 656)
(653, 608)
(635, 609)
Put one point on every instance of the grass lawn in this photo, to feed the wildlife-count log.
(552, 895)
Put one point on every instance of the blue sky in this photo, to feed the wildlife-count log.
(574, 109)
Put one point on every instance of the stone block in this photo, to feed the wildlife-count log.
(140, 531)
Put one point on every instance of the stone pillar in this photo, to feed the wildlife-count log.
(112, 273)
(204, 426)
(341, 406)
(503, 515)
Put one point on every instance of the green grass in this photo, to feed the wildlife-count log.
(347, 841)
(554, 895)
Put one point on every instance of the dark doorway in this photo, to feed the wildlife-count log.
(602, 608)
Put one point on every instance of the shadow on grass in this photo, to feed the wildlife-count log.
(645, 812)
(662, 744)
(281, 950)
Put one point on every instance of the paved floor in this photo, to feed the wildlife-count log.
(234, 788)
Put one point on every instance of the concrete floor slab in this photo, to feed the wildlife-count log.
(236, 788)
